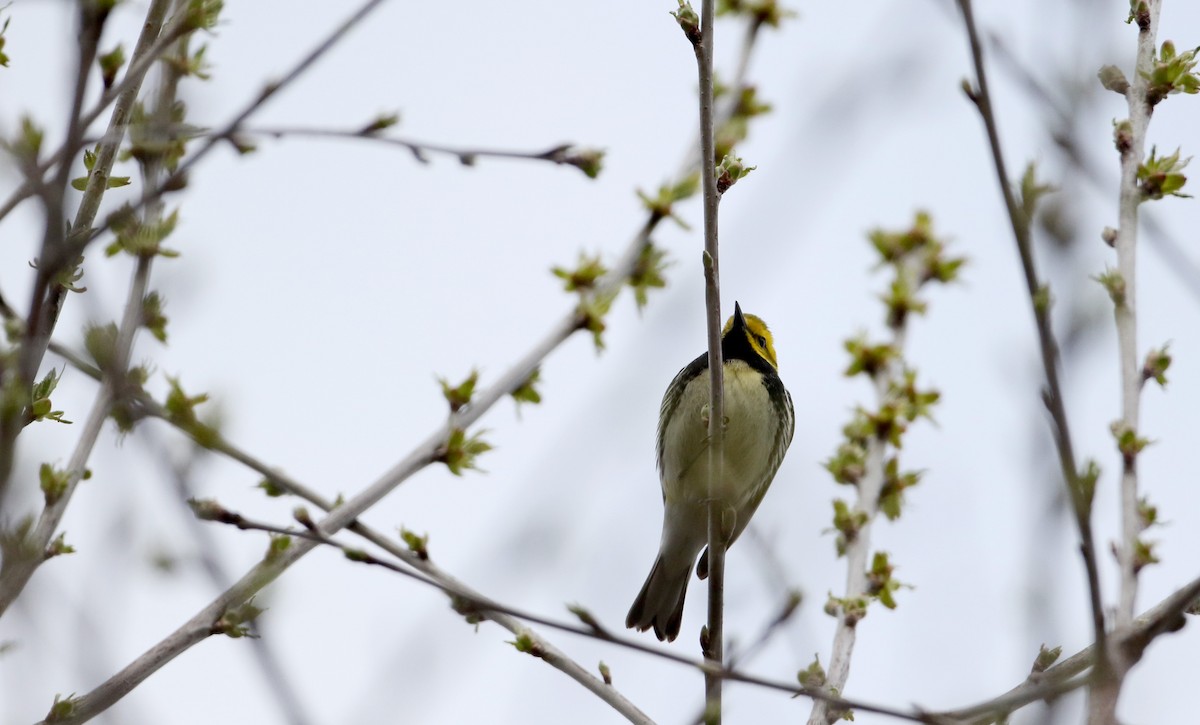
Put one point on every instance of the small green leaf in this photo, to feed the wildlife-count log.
(1147, 513)
(847, 522)
(278, 546)
(28, 144)
(527, 644)
(1143, 554)
(418, 545)
(1161, 176)
(63, 708)
(661, 205)
(54, 483)
(1155, 367)
(236, 621)
(181, 411)
(730, 171)
(1031, 192)
(272, 488)
(110, 64)
(1172, 73)
(1128, 441)
(1086, 481)
(527, 391)
(1114, 283)
(100, 341)
(153, 318)
(1045, 658)
(589, 161)
(459, 452)
(1123, 136)
(880, 583)
(812, 677)
(648, 273)
(689, 21)
(459, 396)
(141, 238)
(759, 12)
(3, 58)
(895, 483)
(867, 358)
(584, 276)
(41, 408)
(382, 122)
(592, 311)
(848, 464)
(59, 547)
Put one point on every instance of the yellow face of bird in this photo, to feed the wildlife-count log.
(756, 332)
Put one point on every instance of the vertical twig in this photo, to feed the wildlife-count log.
(712, 643)
(1126, 313)
(1105, 693)
(48, 297)
(17, 571)
(869, 490)
(91, 23)
(1039, 296)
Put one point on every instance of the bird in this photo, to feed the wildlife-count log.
(759, 422)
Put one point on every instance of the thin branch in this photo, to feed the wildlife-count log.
(585, 159)
(713, 638)
(470, 603)
(47, 298)
(1130, 197)
(228, 132)
(1156, 619)
(91, 24)
(127, 87)
(464, 600)
(1175, 260)
(201, 625)
(869, 489)
(1039, 296)
(1106, 693)
(17, 570)
(277, 682)
(1068, 675)
(178, 177)
(1162, 618)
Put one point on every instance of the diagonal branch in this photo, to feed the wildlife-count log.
(19, 566)
(471, 603)
(1072, 673)
(202, 624)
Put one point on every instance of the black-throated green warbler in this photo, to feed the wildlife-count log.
(759, 421)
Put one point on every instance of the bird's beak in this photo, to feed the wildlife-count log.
(738, 320)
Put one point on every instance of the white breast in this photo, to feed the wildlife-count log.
(750, 434)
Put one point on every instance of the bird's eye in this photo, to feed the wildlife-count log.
(762, 341)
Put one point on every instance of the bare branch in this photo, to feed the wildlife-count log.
(712, 640)
(17, 570)
(1039, 296)
(1069, 675)
(585, 159)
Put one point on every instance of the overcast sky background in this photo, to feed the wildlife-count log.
(323, 286)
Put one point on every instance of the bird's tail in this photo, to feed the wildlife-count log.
(660, 603)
